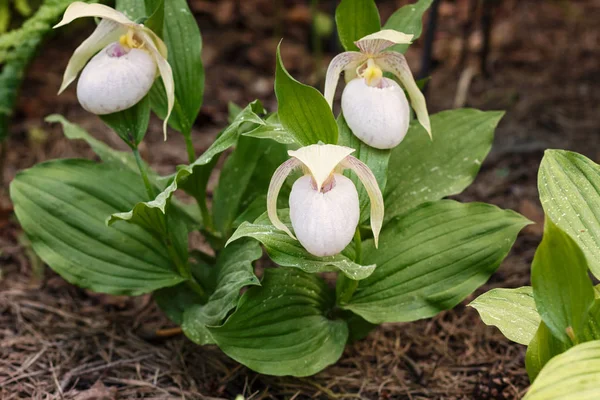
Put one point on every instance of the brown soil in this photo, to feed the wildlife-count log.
(58, 341)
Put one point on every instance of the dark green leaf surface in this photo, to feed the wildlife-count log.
(288, 252)
(433, 257)
(541, 349)
(132, 124)
(408, 19)
(569, 186)
(233, 272)
(510, 310)
(63, 205)
(562, 289)
(281, 328)
(356, 19)
(422, 170)
(303, 111)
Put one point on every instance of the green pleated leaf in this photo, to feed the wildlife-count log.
(288, 252)
(422, 170)
(233, 271)
(562, 289)
(303, 111)
(132, 124)
(573, 375)
(63, 205)
(272, 129)
(408, 19)
(433, 257)
(510, 310)
(377, 160)
(106, 153)
(541, 349)
(569, 186)
(281, 328)
(356, 19)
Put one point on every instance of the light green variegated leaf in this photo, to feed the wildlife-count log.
(288, 252)
(569, 186)
(233, 271)
(106, 153)
(376, 159)
(562, 289)
(356, 19)
(409, 20)
(573, 375)
(281, 328)
(510, 310)
(422, 170)
(62, 206)
(303, 111)
(433, 257)
(272, 129)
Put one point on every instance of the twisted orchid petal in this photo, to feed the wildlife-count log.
(347, 61)
(376, 198)
(395, 63)
(376, 42)
(277, 181)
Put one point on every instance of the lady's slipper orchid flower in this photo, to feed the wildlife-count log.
(324, 206)
(126, 58)
(375, 107)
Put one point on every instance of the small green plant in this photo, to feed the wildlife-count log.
(558, 317)
(316, 195)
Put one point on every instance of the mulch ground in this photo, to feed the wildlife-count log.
(60, 342)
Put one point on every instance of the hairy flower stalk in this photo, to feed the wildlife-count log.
(375, 107)
(324, 205)
(119, 62)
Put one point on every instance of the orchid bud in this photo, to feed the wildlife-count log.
(376, 108)
(324, 205)
(128, 60)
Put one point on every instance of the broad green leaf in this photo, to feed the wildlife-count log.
(573, 375)
(281, 328)
(562, 289)
(377, 160)
(409, 20)
(510, 310)
(569, 186)
(422, 170)
(156, 20)
(233, 271)
(288, 252)
(541, 349)
(132, 124)
(133, 9)
(106, 153)
(272, 130)
(356, 19)
(303, 111)
(63, 205)
(433, 257)
(246, 173)
(174, 300)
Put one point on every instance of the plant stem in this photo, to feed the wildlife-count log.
(345, 286)
(189, 146)
(143, 172)
(183, 270)
(357, 246)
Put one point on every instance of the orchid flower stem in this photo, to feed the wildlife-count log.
(357, 246)
(143, 172)
(189, 146)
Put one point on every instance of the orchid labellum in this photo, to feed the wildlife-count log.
(324, 205)
(120, 61)
(375, 107)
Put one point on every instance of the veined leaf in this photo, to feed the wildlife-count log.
(433, 257)
(356, 19)
(569, 186)
(422, 170)
(62, 206)
(510, 310)
(281, 328)
(131, 124)
(288, 252)
(541, 349)
(303, 111)
(573, 375)
(409, 20)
